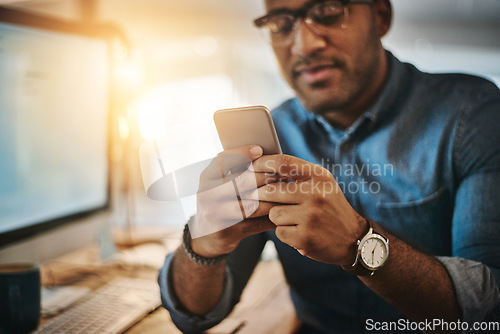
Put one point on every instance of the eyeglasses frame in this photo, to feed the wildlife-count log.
(300, 13)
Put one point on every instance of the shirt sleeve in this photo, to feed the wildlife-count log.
(186, 322)
(476, 217)
(477, 291)
(239, 267)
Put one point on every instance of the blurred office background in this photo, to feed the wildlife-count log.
(189, 58)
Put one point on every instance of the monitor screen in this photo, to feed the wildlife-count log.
(54, 106)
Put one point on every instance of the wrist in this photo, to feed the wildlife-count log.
(196, 257)
(363, 227)
(198, 246)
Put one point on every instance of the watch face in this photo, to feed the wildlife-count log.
(374, 252)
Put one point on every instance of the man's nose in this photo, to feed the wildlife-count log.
(305, 41)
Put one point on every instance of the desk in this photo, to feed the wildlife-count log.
(265, 305)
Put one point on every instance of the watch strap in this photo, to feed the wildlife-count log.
(357, 270)
(196, 258)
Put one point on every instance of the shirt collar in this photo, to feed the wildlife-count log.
(390, 92)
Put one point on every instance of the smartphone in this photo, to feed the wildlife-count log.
(243, 126)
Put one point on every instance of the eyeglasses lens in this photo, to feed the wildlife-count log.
(321, 18)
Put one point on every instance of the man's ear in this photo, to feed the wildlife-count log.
(383, 15)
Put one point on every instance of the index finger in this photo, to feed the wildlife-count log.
(231, 161)
(288, 166)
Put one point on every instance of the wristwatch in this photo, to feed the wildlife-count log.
(371, 255)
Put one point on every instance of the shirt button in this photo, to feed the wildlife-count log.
(345, 146)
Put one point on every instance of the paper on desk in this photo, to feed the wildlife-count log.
(149, 254)
(57, 299)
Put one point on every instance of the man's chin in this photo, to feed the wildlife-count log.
(320, 97)
(320, 103)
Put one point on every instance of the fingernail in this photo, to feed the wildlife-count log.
(256, 150)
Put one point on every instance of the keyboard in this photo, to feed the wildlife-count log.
(110, 309)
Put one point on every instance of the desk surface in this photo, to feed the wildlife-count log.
(265, 305)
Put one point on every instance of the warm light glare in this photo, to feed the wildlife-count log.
(123, 127)
(205, 46)
(130, 72)
(152, 119)
(121, 52)
(129, 69)
(182, 111)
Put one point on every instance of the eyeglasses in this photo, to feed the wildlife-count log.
(320, 16)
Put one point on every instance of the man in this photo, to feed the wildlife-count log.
(410, 229)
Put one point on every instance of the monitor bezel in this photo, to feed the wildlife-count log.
(104, 32)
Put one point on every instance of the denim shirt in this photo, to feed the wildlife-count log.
(424, 162)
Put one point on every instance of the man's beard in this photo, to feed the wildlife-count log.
(327, 96)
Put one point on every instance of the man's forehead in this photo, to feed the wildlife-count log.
(292, 4)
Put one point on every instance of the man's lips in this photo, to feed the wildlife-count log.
(314, 73)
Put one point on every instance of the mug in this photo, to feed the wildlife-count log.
(19, 297)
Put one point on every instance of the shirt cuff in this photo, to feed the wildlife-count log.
(187, 322)
(475, 287)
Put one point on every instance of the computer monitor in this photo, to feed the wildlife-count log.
(54, 135)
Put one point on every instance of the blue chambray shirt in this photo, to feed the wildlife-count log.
(424, 162)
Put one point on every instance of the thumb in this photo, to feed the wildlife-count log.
(255, 225)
